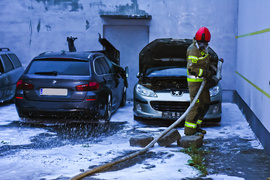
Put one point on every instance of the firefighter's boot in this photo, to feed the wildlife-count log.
(191, 129)
(200, 130)
(195, 134)
(199, 134)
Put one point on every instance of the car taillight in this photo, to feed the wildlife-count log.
(91, 86)
(23, 85)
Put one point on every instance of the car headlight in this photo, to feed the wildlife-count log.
(145, 91)
(214, 91)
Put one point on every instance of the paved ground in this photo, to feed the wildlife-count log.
(234, 157)
(234, 149)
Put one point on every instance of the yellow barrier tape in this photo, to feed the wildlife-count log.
(262, 91)
(254, 33)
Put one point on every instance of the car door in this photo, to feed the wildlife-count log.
(2, 80)
(16, 72)
(108, 79)
(118, 82)
(6, 78)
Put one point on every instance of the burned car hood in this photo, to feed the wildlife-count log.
(109, 50)
(163, 52)
(166, 52)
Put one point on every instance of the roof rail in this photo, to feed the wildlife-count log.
(46, 52)
(7, 49)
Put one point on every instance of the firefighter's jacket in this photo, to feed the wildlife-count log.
(198, 63)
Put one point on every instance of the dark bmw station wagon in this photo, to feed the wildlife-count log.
(82, 85)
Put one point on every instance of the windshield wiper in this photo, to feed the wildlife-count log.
(53, 73)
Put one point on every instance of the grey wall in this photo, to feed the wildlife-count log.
(252, 78)
(30, 27)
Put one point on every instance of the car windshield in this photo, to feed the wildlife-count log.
(166, 72)
(59, 67)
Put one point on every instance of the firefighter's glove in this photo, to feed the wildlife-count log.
(213, 81)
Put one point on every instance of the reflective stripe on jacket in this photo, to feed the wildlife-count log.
(192, 78)
(198, 61)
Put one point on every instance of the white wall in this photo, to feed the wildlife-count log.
(30, 27)
(253, 57)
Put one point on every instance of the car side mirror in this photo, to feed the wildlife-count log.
(138, 75)
(127, 71)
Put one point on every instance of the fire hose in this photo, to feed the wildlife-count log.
(108, 165)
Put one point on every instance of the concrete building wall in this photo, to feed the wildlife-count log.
(181, 19)
(252, 75)
(30, 27)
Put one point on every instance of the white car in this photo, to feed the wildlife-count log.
(162, 90)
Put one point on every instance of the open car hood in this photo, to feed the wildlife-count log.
(163, 52)
(166, 52)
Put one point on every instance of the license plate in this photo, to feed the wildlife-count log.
(171, 115)
(53, 92)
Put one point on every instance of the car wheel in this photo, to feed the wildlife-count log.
(23, 115)
(124, 97)
(108, 109)
(137, 118)
(217, 120)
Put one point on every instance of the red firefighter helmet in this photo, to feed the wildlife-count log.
(203, 35)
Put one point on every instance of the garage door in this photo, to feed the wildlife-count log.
(129, 40)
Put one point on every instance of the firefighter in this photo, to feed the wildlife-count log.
(198, 69)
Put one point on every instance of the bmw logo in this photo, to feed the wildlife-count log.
(54, 82)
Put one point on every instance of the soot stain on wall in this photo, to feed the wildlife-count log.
(62, 4)
(127, 9)
(31, 32)
(38, 26)
(87, 25)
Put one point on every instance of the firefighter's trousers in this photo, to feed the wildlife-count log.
(197, 112)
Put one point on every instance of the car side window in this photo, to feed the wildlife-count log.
(111, 66)
(8, 64)
(98, 67)
(15, 60)
(1, 67)
(105, 65)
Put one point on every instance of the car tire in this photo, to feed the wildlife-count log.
(213, 120)
(124, 97)
(23, 115)
(108, 109)
(217, 120)
(137, 118)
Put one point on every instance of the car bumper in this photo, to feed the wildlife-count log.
(83, 108)
(171, 108)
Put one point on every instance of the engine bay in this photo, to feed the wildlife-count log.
(169, 83)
